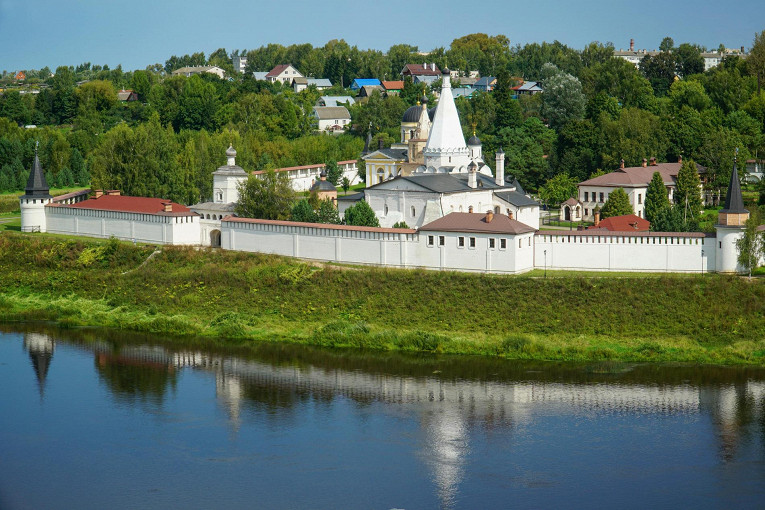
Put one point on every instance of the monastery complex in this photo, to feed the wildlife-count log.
(463, 216)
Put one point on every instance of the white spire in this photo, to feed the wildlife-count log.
(446, 150)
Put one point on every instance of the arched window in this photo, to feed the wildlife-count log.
(496, 209)
(413, 212)
(386, 209)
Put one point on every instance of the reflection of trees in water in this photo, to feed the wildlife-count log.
(131, 379)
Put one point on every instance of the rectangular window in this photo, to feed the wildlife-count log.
(440, 240)
(472, 242)
(586, 212)
(492, 242)
(502, 244)
(519, 243)
(430, 240)
(640, 198)
(461, 242)
(601, 197)
(586, 196)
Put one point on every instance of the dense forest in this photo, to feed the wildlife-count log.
(596, 110)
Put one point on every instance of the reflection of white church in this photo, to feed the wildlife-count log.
(458, 216)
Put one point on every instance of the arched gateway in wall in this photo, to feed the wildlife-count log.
(215, 239)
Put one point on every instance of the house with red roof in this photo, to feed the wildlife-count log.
(284, 73)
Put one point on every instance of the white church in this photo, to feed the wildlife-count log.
(432, 172)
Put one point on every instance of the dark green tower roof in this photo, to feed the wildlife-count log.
(734, 202)
(37, 186)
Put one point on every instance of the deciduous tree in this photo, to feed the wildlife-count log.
(361, 215)
(268, 196)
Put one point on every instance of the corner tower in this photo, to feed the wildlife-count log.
(730, 226)
(32, 203)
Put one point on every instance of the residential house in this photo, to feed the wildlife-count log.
(188, 71)
(127, 95)
(486, 84)
(754, 170)
(393, 87)
(419, 70)
(335, 101)
(466, 92)
(331, 118)
(364, 82)
(527, 87)
(300, 83)
(21, 75)
(283, 73)
(368, 90)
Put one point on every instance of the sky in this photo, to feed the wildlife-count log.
(139, 33)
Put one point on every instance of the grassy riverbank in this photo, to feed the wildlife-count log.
(241, 298)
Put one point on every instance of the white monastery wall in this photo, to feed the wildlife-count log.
(144, 228)
(479, 252)
(625, 251)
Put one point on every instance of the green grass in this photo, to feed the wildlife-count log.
(9, 202)
(242, 299)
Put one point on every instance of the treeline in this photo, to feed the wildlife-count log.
(596, 110)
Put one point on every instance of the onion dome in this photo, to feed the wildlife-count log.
(424, 99)
(412, 114)
(445, 71)
(231, 152)
(474, 140)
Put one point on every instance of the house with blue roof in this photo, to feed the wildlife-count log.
(365, 82)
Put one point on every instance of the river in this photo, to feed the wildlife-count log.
(100, 419)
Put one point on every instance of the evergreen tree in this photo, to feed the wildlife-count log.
(617, 204)
(333, 172)
(303, 212)
(688, 191)
(327, 212)
(361, 215)
(656, 200)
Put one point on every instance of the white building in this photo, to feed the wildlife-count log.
(304, 176)
(188, 71)
(299, 84)
(226, 182)
(633, 180)
(283, 73)
(433, 172)
(331, 119)
(240, 63)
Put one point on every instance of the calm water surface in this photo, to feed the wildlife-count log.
(99, 420)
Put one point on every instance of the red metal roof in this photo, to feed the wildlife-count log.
(421, 70)
(393, 85)
(236, 219)
(276, 71)
(625, 223)
(143, 205)
(477, 222)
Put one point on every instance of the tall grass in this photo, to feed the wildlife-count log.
(251, 297)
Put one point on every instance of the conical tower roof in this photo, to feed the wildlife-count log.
(446, 135)
(734, 201)
(37, 186)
